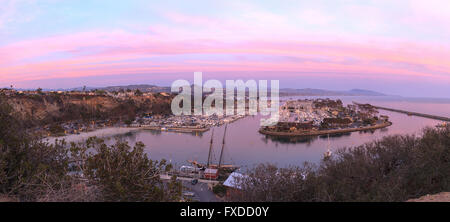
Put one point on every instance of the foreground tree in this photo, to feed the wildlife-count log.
(29, 167)
(124, 173)
(33, 170)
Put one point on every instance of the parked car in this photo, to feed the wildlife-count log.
(188, 194)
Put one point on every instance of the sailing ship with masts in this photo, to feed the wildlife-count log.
(220, 165)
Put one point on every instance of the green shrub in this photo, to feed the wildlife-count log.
(29, 168)
(220, 190)
(394, 168)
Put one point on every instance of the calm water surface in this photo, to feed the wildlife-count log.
(246, 147)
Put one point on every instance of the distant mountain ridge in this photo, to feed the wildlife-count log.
(366, 92)
(141, 87)
(283, 91)
(322, 92)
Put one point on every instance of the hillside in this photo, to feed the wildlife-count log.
(37, 110)
(440, 197)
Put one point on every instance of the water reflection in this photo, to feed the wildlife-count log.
(292, 140)
(310, 139)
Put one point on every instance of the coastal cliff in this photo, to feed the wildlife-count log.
(36, 110)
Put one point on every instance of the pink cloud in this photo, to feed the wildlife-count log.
(120, 53)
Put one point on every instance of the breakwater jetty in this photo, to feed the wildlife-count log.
(409, 113)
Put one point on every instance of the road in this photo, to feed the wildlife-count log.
(201, 191)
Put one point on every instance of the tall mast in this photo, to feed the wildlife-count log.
(210, 148)
(223, 145)
(328, 143)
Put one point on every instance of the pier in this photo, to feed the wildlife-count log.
(409, 113)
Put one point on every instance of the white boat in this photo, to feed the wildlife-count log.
(328, 154)
(442, 125)
(188, 169)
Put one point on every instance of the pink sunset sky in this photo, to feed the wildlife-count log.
(396, 47)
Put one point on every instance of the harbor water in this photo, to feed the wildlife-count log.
(246, 147)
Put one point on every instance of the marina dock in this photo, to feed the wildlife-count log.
(177, 129)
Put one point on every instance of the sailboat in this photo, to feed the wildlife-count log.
(327, 154)
(442, 125)
(216, 166)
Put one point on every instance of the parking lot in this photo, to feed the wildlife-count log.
(200, 191)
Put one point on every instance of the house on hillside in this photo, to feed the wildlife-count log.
(233, 184)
